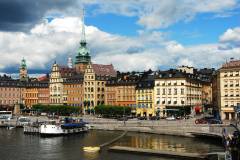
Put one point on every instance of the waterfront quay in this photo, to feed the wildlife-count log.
(177, 127)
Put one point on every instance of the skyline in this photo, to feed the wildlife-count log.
(133, 35)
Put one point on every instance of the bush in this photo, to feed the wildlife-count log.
(57, 109)
(112, 111)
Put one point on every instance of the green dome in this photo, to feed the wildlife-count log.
(83, 53)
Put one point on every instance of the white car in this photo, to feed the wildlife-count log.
(172, 118)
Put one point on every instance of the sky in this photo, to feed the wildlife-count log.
(130, 34)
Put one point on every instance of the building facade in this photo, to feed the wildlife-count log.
(177, 93)
(36, 93)
(145, 97)
(11, 92)
(95, 78)
(229, 79)
(73, 91)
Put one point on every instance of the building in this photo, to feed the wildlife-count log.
(95, 78)
(11, 92)
(58, 75)
(73, 91)
(36, 93)
(23, 76)
(121, 92)
(145, 96)
(229, 87)
(83, 57)
(177, 92)
(186, 69)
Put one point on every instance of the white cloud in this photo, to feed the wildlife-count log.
(231, 36)
(59, 38)
(163, 13)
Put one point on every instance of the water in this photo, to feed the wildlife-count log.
(14, 145)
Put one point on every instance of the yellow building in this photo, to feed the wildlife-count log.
(95, 78)
(145, 97)
(229, 79)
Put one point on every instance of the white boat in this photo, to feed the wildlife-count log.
(53, 129)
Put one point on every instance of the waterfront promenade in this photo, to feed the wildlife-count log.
(177, 127)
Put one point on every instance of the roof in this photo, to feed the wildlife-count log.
(75, 79)
(65, 71)
(104, 70)
(231, 64)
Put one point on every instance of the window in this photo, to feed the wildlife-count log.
(169, 102)
(169, 91)
(182, 91)
(158, 91)
(175, 91)
(164, 91)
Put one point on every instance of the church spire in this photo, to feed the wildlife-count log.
(83, 38)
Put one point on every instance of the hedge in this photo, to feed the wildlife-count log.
(58, 109)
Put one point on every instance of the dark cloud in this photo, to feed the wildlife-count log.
(20, 15)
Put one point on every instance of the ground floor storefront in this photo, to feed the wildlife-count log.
(145, 112)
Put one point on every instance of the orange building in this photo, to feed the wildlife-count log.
(73, 91)
(36, 93)
(121, 92)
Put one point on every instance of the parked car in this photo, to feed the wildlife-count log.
(154, 118)
(122, 119)
(142, 118)
(208, 120)
(23, 121)
(172, 118)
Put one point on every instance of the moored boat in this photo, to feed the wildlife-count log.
(69, 126)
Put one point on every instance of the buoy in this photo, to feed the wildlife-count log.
(91, 149)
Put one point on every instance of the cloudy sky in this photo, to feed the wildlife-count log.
(130, 34)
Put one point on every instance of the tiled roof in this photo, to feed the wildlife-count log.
(104, 70)
(66, 71)
(231, 64)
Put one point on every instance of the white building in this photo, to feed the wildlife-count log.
(177, 91)
(229, 89)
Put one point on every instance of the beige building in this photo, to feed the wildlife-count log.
(229, 79)
(177, 92)
(56, 87)
(95, 78)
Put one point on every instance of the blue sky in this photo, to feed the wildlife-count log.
(204, 28)
(130, 34)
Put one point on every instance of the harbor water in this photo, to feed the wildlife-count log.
(17, 146)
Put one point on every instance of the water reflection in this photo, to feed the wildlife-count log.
(167, 143)
(16, 145)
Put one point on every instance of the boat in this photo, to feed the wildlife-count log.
(69, 126)
(91, 149)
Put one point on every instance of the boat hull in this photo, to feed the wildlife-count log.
(56, 130)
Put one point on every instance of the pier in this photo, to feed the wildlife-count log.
(169, 154)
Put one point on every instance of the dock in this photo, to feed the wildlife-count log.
(31, 130)
(170, 154)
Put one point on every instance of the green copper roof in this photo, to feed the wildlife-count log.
(83, 54)
(23, 64)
